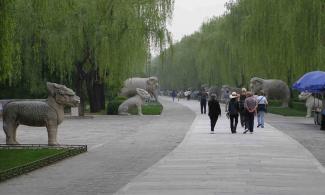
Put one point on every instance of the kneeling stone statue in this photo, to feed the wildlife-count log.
(135, 101)
(48, 113)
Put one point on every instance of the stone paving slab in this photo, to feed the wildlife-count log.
(266, 162)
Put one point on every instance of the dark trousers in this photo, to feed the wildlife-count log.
(233, 122)
(322, 124)
(213, 121)
(203, 104)
(250, 121)
(243, 119)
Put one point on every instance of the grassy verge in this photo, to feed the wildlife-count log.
(294, 109)
(149, 109)
(18, 157)
(286, 111)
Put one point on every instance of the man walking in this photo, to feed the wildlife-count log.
(214, 111)
(203, 101)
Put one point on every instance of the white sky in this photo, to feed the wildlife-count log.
(189, 15)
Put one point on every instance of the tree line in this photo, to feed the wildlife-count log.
(272, 39)
(91, 46)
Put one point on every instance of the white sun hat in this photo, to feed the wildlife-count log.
(233, 95)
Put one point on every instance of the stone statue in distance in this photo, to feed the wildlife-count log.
(149, 84)
(135, 101)
(273, 89)
(311, 102)
(48, 113)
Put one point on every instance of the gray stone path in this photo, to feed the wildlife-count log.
(119, 148)
(304, 131)
(266, 162)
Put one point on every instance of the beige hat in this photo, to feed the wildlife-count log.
(233, 95)
(243, 89)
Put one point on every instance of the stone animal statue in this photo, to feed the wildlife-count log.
(135, 101)
(311, 102)
(215, 90)
(273, 89)
(226, 90)
(48, 113)
(149, 84)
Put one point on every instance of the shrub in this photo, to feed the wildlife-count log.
(112, 106)
(152, 108)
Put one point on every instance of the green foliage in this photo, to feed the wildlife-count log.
(46, 40)
(149, 109)
(19, 157)
(112, 106)
(278, 39)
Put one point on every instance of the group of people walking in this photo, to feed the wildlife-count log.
(244, 106)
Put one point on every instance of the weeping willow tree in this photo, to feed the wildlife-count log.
(86, 44)
(278, 39)
(7, 46)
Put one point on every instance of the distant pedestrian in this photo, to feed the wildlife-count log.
(242, 111)
(233, 110)
(179, 95)
(214, 111)
(226, 97)
(261, 109)
(173, 95)
(188, 94)
(250, 107)
(203, 101)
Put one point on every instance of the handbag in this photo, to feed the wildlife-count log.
(261, 107)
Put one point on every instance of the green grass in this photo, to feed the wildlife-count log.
(149, 109)
(295, 108)
(286, 111)
(10, 158)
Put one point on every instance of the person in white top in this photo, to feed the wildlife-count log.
(261, 109)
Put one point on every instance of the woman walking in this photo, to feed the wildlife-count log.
(233, 111)
(250, 106)
(214, 111)
(242, 111)
(261, 109)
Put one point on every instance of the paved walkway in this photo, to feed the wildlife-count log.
(119, 148)
(266, 162)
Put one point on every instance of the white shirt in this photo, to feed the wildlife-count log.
(262, 100)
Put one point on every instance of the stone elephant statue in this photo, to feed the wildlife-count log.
(48, 113)
(149, 84)
(273, 89)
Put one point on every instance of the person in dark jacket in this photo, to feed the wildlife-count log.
(214, 111)
(203, 101)
(233, 111)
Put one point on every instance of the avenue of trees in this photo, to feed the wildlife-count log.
(88, 45)
(273, 39)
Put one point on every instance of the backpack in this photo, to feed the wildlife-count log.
(232, 108)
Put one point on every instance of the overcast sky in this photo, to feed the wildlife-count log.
(190, 14)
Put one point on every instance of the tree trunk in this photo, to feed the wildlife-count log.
(95, 91)
(79, 88)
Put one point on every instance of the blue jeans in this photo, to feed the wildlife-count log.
(260, 118)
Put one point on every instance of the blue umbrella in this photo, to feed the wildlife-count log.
(312, 82)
